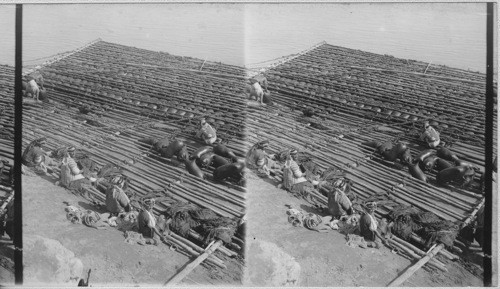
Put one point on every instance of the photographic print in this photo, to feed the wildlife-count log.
(370, 160)
(134, 147)
(255, 144)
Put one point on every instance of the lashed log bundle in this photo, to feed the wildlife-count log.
(126, 103)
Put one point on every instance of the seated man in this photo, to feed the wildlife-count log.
(35, 157)
(116, 200)
(37, 77)
(339, 202)
(299, 176)
(299, 184)
(146, 222)
(258, 158)
(430, 135)
(368, 226)
(33, 89)
(206, 133)
(73, 175)
(262, 80)
(255, 91)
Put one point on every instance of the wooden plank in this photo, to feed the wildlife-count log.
(411, 270)
(191, 266)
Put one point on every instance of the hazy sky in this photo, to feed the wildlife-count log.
(443, 33)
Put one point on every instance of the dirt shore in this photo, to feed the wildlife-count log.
(113, 262)
(324, 259)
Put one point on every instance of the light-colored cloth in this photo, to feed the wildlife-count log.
(255, 90)
(33, 89)
(152, 220)
(76, 173)
(207, 133)
(210, 141)
(298, 176)
(431, 137)
(373, 224)
(262, 80)
(433, 144)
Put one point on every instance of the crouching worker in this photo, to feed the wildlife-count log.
(117, 201)
(369, 227)
(262, 80)
(72, 176)
(340, 199)
(258, 158)
(35, 157)
(147, 222)
(206, 132)
(430, 136)
(294, 180)
(258, 88)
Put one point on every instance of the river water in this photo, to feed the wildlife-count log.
(452, 34)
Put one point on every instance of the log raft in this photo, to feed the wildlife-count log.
(126, 103)
(134, 93)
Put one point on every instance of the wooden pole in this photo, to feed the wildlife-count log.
(185, 69)
(212, 259)
(190, 267)
(416, 255)
(473, 214)
(443, 252)
(203, 64)
(420, 74)
(411, 270)
(428, 65)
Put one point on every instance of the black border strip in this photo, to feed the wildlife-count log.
(488, 179)
(18, 217)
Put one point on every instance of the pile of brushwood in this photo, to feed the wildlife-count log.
(429, 226)
(186, 216)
